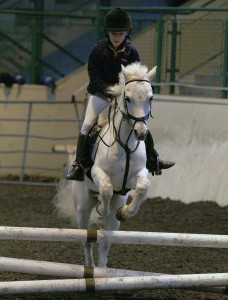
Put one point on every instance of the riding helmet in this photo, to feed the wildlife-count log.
(117, 20)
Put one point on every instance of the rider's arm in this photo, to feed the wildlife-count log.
(96, 85)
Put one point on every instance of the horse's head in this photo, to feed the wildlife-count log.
(137, 96)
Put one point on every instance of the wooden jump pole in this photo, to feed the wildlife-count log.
(111, 284)
(29, 266)
(118, 237)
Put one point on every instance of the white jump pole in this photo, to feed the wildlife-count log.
(118, 237)
(28, 266)
(47, 268)
(111, 284)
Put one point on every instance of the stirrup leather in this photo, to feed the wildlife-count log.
(158, 171)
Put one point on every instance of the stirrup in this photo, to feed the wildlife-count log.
(75, 172)
(154, 170)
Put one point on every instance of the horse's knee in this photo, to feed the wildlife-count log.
(142, 186)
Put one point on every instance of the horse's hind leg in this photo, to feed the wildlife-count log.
(103, 182)
(84, 203)
(110, 223)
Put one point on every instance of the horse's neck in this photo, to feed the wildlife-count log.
(123, 131)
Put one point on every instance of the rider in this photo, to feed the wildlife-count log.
(104, 66)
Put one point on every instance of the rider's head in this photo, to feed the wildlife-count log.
(117, 21)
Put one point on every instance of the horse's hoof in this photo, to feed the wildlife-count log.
(119, 216)
(100, 215)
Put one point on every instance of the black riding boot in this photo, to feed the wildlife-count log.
(154, 164)
(76, 171)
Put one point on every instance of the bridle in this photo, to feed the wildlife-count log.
(128, 115)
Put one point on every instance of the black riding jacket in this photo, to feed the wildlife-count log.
(104, 64)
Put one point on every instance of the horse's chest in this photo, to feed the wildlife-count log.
(116, 165)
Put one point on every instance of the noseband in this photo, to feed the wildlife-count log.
(128, 115)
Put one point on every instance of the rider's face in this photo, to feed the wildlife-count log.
(117, 38)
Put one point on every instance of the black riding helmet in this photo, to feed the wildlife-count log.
(117, 20)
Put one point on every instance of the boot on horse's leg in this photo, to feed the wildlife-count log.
(154, 164)
(76, 170)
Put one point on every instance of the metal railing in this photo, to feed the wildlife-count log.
(27, 141)
(188, 48)
(38, 34)
(189, 45)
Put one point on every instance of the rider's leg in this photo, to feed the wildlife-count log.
(76, 171)
(95, 106)
(154, 164)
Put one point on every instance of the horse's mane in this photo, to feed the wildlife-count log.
(104, 116)
(134, 70)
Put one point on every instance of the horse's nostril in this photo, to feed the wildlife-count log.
(140, 136)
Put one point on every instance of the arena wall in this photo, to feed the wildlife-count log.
(192, 132)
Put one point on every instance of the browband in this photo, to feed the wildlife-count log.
(136, 79)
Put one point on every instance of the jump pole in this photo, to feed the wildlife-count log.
(29, 266)
(118, 237)
(47, 268)
(111, 284)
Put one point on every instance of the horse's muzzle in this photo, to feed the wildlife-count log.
(140, 136)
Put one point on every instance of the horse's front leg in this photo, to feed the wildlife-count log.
(139, 195)
(103, 182)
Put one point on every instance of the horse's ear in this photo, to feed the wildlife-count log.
(150, 75)
(122, 68)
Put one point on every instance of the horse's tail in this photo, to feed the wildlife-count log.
(63, 201)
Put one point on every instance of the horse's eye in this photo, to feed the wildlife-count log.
(127, 99)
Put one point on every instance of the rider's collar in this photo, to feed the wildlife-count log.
(115, 52)
(120, 49)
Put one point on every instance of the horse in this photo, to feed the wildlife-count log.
(119, 172)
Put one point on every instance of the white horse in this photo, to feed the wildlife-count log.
(119, 162)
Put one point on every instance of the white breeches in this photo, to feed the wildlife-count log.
(95, 106)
